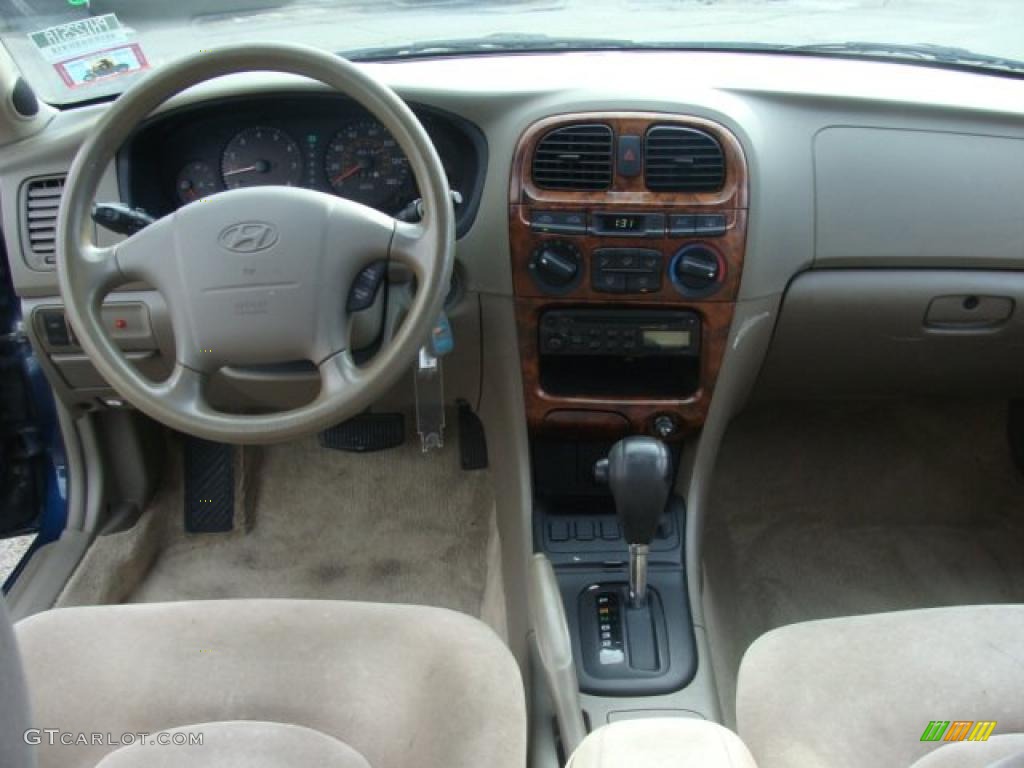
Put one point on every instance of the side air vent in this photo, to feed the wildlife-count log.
(682, 160)
(39, 211)
(575, 157)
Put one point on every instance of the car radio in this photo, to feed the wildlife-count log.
(624, 333)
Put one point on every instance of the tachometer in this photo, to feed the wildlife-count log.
(364, 163)
(260, 156)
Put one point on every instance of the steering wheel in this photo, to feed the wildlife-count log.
(257, 275)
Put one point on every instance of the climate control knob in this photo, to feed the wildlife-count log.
(556, 266)
(696, 270)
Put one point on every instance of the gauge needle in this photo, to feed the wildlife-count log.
(346, 173)
(261, 166)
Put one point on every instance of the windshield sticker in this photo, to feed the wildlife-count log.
(102, 65)
(79, 37)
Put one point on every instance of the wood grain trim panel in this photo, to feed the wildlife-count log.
(585, 416)
(716, 318)
(631, 190)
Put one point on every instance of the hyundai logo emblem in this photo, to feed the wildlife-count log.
(248, 236)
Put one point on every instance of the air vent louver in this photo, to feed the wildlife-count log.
(42, 199)
(575, 157)
(682, 160)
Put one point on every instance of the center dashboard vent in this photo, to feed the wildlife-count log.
(574, 157)
(680, 159)
(39, 217)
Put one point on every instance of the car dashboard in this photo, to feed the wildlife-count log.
(830, 232)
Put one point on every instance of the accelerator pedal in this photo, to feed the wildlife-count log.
(472, 440)
(209, 486)
(366, 433)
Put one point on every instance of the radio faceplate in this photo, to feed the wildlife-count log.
(625, 333)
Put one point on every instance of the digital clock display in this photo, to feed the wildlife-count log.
(626, 223)
(621, 223)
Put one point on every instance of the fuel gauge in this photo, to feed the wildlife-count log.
(196, 180)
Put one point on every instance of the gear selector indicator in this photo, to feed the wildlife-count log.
(609, 627)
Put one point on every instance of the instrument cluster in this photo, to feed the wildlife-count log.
(318, 142)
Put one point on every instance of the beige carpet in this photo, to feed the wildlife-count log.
(394, 526)
(821, 510)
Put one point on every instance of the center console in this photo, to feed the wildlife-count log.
(627, 234)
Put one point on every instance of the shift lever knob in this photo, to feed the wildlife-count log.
(638, 472)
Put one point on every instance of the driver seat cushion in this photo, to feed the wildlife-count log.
(861, 690)
(1000, 751)
(238, 744)
(401, 685)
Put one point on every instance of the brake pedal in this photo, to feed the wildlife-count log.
(366, 433)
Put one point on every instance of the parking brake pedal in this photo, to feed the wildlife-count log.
(209, 486)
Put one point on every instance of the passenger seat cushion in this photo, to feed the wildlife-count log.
(402, 685)
(667, 742)
(1005, 751)
(860, 690)
(238, 744)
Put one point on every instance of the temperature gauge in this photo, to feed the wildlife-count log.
(196, 180)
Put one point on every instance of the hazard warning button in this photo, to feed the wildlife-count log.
(629, 161)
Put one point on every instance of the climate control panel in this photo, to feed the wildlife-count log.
(604, 254)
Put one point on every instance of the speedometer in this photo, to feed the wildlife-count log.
(260, 156)
(364, 163)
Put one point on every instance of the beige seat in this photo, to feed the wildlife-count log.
(860, 691)
(237, 744)
(315, 682)
(666, 742)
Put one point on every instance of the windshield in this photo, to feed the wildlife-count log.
(76, 50)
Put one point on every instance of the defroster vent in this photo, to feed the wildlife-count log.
(39, 214)
(574, 157)
(680, 159)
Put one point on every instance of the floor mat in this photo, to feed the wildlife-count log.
(832, 510)
(395, 526)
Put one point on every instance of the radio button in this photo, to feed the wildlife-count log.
(682, 225)
(559, 222)
(555, 343)
(712, 225)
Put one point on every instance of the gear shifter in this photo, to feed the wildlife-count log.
(638, 471)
